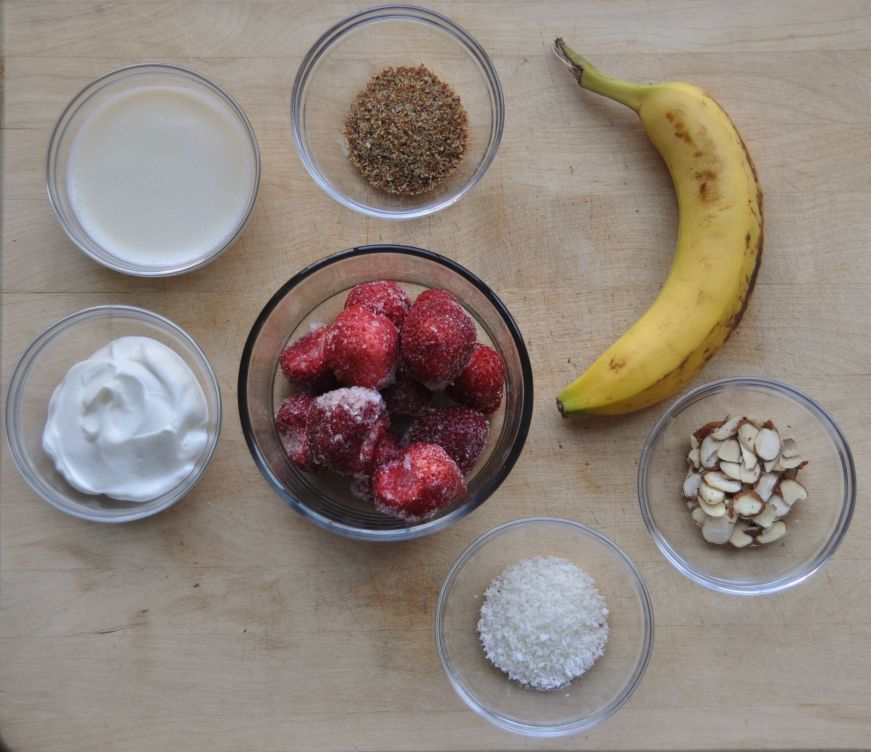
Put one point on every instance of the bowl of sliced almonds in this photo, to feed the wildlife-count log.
(747, 485)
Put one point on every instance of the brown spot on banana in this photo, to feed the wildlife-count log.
(751, 283)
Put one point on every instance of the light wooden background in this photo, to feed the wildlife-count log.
(228, 623)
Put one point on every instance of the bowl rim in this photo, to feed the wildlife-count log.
(73, 108)
(430, 526)
(587, 722)
(393, 12)
(804, 571)
(12, 418)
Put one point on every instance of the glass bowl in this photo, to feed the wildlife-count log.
(341, 63)
(815, 527)
(317, 294)
(588, 700)
(97, 95)
(44, 365)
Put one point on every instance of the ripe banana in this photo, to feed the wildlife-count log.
(719, 247)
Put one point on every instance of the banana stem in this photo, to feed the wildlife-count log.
(589, 78)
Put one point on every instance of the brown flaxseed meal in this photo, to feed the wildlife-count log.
(407, 131)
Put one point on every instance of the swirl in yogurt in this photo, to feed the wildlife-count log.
(129, 422)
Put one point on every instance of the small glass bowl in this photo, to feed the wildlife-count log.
(87, 101)
(815, 527)
(44, 365)
(590, 699)
(341, 63)
(317, 294)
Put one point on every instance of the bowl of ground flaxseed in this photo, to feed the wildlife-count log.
(397, 112)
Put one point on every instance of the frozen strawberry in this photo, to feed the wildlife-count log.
(422, 480)
(303, 364)
(384, 297)
(460, 431)
(290, 422)
(482, 382)
(343, 428)
(362, 348)
(437, 339)
(435, 294)
(407, 397)
(386, 450)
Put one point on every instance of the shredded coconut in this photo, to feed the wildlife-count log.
(543, 622)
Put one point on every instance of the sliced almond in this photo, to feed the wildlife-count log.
(741, 481)
(712, 510)
(781, 508)
(708, 452)
(739, 537)
(789, 463)
(720, 482)
(789, 448)
(792, 491)
(710, 494)
(775, 532)
(731, 470)
(749, 476)
(701, 433)
(691, 485)
(767, 444)
(747, 504)
(749, 459)
(718, 530)
(727, 430)
(765, 485)
(730, 451)
(747, 432)
(767, 517)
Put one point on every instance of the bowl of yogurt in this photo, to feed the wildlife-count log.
(113, 414)
(153, 170)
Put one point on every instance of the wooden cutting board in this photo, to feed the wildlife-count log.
(228, 623)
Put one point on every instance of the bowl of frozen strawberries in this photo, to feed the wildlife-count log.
(385, 392)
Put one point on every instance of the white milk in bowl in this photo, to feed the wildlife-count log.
(159, 175)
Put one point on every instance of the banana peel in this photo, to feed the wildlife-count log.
(717, 256)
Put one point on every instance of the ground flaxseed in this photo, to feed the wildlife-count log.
(407, 131)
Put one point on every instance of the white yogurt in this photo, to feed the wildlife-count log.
(160, 175)
(129, 422)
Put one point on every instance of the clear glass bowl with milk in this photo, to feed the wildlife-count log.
(153, 170)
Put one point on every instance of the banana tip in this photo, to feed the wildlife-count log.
(559, 49)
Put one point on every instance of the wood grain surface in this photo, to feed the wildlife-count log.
(228, 623)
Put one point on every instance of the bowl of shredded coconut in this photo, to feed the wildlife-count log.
(544, 627)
